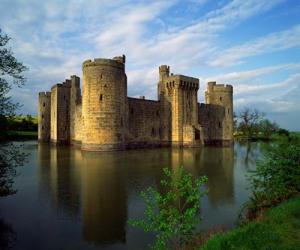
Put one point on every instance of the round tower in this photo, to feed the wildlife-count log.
(104, 104)
(44, 113)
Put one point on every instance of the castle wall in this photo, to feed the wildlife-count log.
(165, 105)
(44, 116)
(104, 104)
(60, 114)
(179, 93)
(144, 123)
(75, 100)
(78, 125)
(104, 118)
(211, 119)
(219, 97)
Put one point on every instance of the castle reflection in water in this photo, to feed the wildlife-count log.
(99, 189)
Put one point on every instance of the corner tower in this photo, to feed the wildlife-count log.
(104, 104)
(221, 95)
(44, 114)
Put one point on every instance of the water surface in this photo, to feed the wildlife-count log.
(69, 199)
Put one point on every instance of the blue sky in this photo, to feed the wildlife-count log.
(252, 44)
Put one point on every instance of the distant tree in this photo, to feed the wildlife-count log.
(267, 127)
(249, 120)
(11, 73)
(283, 131)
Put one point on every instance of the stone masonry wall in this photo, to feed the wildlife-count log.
(75, 99)
(181, 93)
(60, 118)
(144, 123)
(104, 104)
(211, 119)
(78, 125)
(44, 116)
(104, 118)
(216, 116)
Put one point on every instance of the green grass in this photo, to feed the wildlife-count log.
(20, 118)
(296, 134)
(279, 229)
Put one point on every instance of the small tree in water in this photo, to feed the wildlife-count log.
(173, 214)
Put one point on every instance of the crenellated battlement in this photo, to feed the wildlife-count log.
(164, 68)
(104, 118)
(117, 62)
(214, 87)
(45, 94)
(121, 59)
(181, 81)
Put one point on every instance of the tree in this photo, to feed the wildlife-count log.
(172, 214)
(11, 73)
(249, 121)
(276, 176)
(267, 127)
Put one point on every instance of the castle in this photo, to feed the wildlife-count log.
(104, 118)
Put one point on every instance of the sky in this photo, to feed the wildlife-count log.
(252, 44)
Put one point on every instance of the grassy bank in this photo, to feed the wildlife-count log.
(279, 228)
(262, 137)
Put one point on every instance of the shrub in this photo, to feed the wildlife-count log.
(277, 175)
(172, 214)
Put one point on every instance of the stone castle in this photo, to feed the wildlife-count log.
(104, 118)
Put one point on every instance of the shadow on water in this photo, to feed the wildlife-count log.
(8, 236)
(92, 195)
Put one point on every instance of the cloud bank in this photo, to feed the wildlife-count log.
(197, 38)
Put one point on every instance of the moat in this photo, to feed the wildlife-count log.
(70, 199)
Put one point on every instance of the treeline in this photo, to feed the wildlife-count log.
(252, 124)
(19, 123)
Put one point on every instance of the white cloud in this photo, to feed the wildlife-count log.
(54, 37)
(276, 98)
(240, 77)
(273, 42)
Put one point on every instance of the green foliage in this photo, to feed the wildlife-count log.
(11, 73)
(172, 214)
(10, 68)
(277, 174)
(279, 229)
(283, 131)
(267, 127)
(22, 123)
(250, 123)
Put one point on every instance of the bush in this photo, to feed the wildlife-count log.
(278, 175)
(173, 214)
